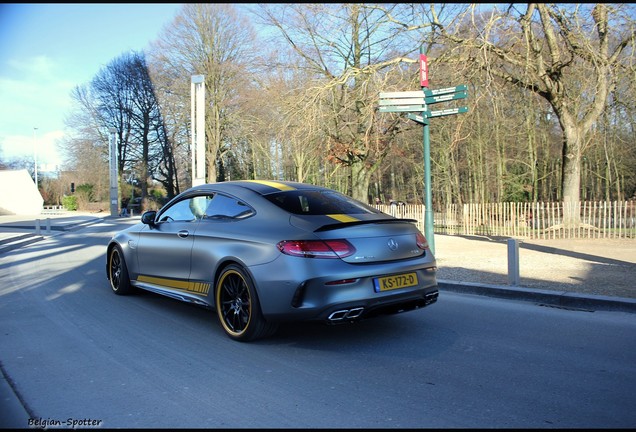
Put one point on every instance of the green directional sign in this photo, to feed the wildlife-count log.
(418, 118)
(445, 98)
(445, 112)
(442, 91)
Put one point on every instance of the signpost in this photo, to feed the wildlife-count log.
(417, 102)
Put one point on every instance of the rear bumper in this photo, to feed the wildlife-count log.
(318, 298)
(387, 308)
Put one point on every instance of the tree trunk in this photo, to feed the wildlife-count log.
(571, 171)
(360, 182)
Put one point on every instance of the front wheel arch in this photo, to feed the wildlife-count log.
(117, 271)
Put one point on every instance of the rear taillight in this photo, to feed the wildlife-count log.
(422, 243)
(316, 248)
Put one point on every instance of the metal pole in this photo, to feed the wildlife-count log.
(193, 129)
(114, 172)
(428, 213)
(35, 157)
(197, 112)
(513, 262)
(428, 199)
(201, 153)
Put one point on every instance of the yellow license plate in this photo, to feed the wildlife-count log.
(394, 282)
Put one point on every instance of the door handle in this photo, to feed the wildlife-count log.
(183, 233)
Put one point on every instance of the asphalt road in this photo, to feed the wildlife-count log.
(74, 351)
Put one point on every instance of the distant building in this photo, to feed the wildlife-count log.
(18, 194)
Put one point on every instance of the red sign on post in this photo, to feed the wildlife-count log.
(423, 71)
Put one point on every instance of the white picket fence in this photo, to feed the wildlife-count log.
(538, 220)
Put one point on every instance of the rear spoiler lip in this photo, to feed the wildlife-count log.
(338, 225)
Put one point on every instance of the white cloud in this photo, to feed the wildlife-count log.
(22, 146)
(36, 67)
(33, 94)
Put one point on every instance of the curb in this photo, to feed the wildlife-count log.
(65, 227)
(561, 299)
(13, 414)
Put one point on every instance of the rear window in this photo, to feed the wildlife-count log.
(314, 202)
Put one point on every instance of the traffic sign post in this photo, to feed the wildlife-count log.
(418, 101)
(428, 198)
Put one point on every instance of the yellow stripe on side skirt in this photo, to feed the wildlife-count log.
(195, 287)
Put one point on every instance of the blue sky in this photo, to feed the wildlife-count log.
(48, 49)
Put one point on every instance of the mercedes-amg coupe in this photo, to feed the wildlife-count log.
(265, 252)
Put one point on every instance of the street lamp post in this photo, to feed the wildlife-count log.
(197, 109)
(113, 162)
(35, 157)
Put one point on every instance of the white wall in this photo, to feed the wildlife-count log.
(18, 194)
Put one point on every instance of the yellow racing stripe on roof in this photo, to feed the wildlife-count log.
(277, 185)
(343, 218)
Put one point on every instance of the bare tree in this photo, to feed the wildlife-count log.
(120, 96)
(344, 49)
(213, 40)
(173, 165)
(536, 47)
(304, 105)
(85, 146)
(147, 123)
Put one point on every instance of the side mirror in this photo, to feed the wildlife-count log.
(148, 217)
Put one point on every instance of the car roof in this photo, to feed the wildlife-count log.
(261, 187)
(320, 221)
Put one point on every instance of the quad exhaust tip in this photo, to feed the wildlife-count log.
(345, 314)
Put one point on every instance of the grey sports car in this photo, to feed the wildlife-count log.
(265, 252)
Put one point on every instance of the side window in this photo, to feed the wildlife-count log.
(225, 207)
(187, 210)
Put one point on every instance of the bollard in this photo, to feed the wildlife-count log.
(513, 262)
(48, 226)
(37, 227)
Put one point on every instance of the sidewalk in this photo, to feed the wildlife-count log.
(588, 274)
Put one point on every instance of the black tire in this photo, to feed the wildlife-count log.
(118, 272)
(238, 308)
